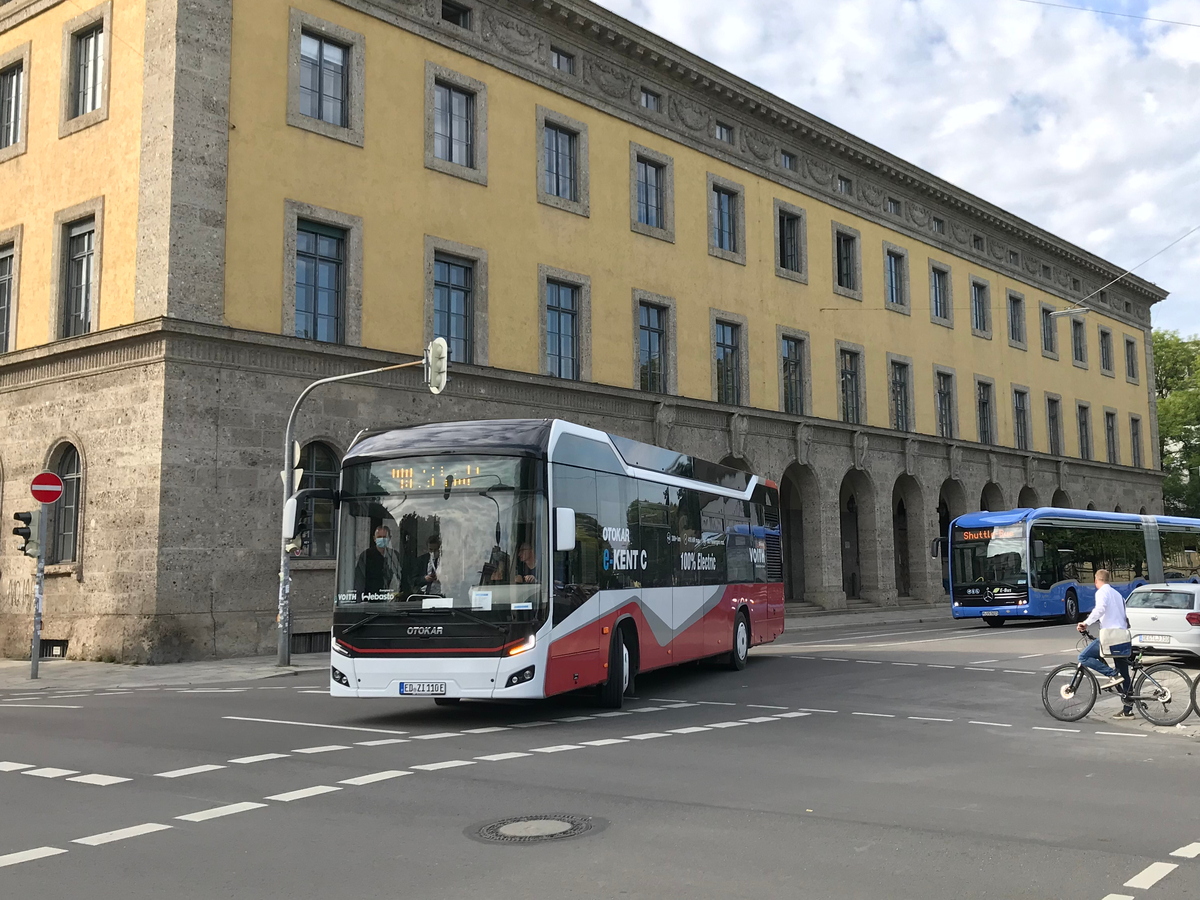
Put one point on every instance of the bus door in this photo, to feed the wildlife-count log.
(575, 652)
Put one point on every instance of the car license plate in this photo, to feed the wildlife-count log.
(1154, 638)
(991, 612)
(422, 688)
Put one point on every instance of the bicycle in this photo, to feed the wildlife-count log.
(1162, 693)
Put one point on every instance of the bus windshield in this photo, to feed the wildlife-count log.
(990, 555)
(463, 533)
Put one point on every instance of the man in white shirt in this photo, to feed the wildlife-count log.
(1110, 613)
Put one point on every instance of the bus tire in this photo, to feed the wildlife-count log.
(995, 621)
(620, 671)
(1071, 608)
(447, 701)
(741, 643)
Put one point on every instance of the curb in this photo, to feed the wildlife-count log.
(839, 618)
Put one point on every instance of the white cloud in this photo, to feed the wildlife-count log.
(1086, 125)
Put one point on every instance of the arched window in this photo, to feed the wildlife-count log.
(62, 529)
(320, 466)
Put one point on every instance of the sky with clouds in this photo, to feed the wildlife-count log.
(1087, 125)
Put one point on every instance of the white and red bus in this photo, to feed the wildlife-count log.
(526, 558)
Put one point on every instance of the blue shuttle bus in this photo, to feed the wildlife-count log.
(1041, 563)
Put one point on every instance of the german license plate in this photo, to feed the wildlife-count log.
(422, 688)
(1154, 638)
(990, 612)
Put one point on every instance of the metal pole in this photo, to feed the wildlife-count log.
(284, 645)
(36, 651)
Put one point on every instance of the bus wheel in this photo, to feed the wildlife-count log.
(995, 621)
(446, 701)
(741, 643)
(620, 672)
(1071, 608)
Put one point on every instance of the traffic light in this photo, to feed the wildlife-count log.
(28, 531)
(437, 363)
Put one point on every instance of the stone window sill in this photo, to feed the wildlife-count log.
(313, 565)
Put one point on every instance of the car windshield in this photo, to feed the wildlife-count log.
(994, 556)
(1160, 600)
(444, 532)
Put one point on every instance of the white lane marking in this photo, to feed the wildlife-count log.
(715, 703)
(271, 689)
(374, 777)
(262, 757)
(1191, 851)
(870, 662)
(99, 780)
(14, 767)
(1064, 730)
(574, 719)
(648, 736)
(66, 696)
(680, 705)
(763, 706)
(725, 724)
(1121, 734)
(834, 659)
(50, 772)
(13, 859)
(609, 715)
(874, 715)
(434, 737)
(304, 793)
(1019, 672)
(500, 757)
(1151, 875)
(793, 715)
(604, 742)
(866, 634)
(194, 770)
(1031, 656)
(807, 710)
(936, 666)
(113, 693)
(992, 724)
(929, 719)
(980, 662)
(313, 725)
(28, 697)
(530, 724)
(381, 743)
(324, 748)
(40, 706)
(977, 669)
(759, 719)
(664, 700)
(647, 709)
(120, 834)
(1117, 897)
(914, 665)
(557, 748)
(447, 764)
(491, 729)
(214, 691)
(218, 812)
(694, 729)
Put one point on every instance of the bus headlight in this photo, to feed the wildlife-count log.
(523, 647)
(339, 649)
(339, 677)
(520, 677)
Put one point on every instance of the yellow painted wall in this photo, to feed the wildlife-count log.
(55, 174)
(400, 201)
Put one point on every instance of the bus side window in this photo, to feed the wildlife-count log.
(654, 519)
(686, 530)
(710, 555)
(616, 498)
(576, 572)
(1180, 559)
(1047, 570)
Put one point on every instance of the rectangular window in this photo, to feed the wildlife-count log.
(945, 404)
(900, 412)
(983, 409)
(1085, 432)
(894, 277)
(6, 288)
(649, 193)
(320, 252)
(1014, 258)
(939, 226)
(454, 306)
(562, 333)
(453, 125)
(456, 15)
(728, 353)
(1076, 284)
(846, 253)
(1106, 351)
(652, 349)
(789, 241)
(724, 132)
(845, 185)
(77, 301)
(849, 370)
(650, 100)
(792, 360)
(1135, 441)
(1078, 341)
(939, 290)
(1016, 319)
(1047, 272)
(10, 106)
(1049, 332)
(564, 62)
(980, 311)
(88, 49)
(561, 179)
(323, 74)
(1131, 359)
(788, 160)
(1021, 419)
(977, 242)
(1110, 437)
(893, 206)
(724, 203)
(1054, 423)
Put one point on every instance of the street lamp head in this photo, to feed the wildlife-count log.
(1070, 311)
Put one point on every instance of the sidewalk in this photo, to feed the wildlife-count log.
(70, 674)
(887, 615)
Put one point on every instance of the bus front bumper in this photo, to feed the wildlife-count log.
(1022, 611)
(483, 678)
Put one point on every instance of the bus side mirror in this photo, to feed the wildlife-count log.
(1039, 549)
(564, 529)
(935, 548)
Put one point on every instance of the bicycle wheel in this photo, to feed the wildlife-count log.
(1164, 694)
(1069, 692)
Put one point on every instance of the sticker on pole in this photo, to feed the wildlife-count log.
(46, 488)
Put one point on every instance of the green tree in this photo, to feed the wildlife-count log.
(1177, 386)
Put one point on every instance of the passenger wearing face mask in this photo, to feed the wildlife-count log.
(378, 569)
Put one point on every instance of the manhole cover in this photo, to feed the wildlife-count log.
(531, 829)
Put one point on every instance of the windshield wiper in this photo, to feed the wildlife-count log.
(371, 617)
(466, 615)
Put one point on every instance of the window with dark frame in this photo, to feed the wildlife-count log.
(1054, 423)
(652, 347)
(980, 318)
(650, 100)
(456, 15)
(977, 242)
(788, 160)
(562, 330)
(845, 185)
(80, 279)
(6, 282)
(1014, 258)
(63, 526)
(900, 411)
(1078, 341)
(453, 124)
(454, 306)
(945, 404)
(1016, 319)
(939, 226)
(848, 364)
(724, 219)
(1110, 437)
(323, 79)
(1085, 432)
(789, 241)
(1049, 332)
(649, 193)
(1106, 350)
(1131, 358)
(983, 409)
(894, 278)
(728, 352)
(1135, 441)
(1047, 272)
(893, 206)
(939, 289)
(88, 70)
(1076, 284)
(564, 62)
(10, 105)
(724, 133)
(561, 177)
(792, 360)
(847, 248)
(320, 282)
(320, 465)
(1021, 419)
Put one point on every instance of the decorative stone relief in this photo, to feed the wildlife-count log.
(691, 116)
(609, 79)
(1030, 470)
(757, 143)
(514, 36)
(739, 426)
(871, 194)
(819, 170)
(993, 468)
(920, 215)
(999, 250)
(804, 439)
(955, 462)
(1062, 473)
(860, 450)
(960, 232)
(664, 420)
(910, 457)
(1033, 264)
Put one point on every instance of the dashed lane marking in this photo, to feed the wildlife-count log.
(1117, 897)
(530, 724)
(991, 724)
(14, 766)
(665, 700)
(557, 748)
(1018, 672)
(1121, 734)
(693, 729)
(870, 662)
(604, 742)
(381, 743)
(326, 748)
(808, 710)
(304, 793)
(763, 706)
(374, 777)
(99, 780)
(113, 693)
(50, 772)
(262, 757)
(313, 725)
(609, 715)
(220, 812)
(436, 736)
(725, 724)
(13, 859)
(977, 669)
(715, 703)
(121, 834)
(1031, 656)
(910, 665)
(445, 764)
(501, 757)
(194, 770)
(980, 662)
(1191, 851)
(759, 719)
(574, 719)
(929, 719)
(648, 736)
(874, 715)
(40, 706)
(648, 709)
(936, 666)
(1151, 875)
(834, 659)
(793, 715)
(1064, 730)
(491, 729)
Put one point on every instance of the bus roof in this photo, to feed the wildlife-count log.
(1012, 516)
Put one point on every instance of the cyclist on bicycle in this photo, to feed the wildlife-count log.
(1110, 613)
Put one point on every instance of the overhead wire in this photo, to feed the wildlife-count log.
(1109, 12)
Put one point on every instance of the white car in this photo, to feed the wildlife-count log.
(1165, 617)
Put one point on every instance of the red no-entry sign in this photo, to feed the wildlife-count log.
(46, 488)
